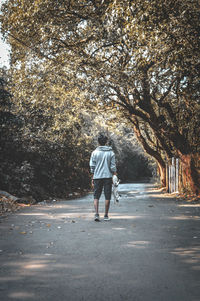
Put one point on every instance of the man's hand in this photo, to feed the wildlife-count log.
(92, 183)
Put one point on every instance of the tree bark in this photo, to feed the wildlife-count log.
(162, 172)
(190, 173)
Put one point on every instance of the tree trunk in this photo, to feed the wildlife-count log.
(190, 173)
(154, 154)
(162, 172)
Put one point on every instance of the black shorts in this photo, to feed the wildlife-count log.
(99, 184)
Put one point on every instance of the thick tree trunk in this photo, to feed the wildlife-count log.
(154, 154)
(162, 173)
(190, 173)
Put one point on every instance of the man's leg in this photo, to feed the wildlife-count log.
(107, 192)
(98, 186)
(96, 206)
(107, 206)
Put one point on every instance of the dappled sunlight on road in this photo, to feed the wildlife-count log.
(35, 265)
(59, 213)
(21, 295)
(158, 194)
(118, 228)
(189, 255)
(39, 271)
(126, 217)
(183, 217)
(24, 267)
(42, 271)
(64, 212)
(138, 244)
(131, 192)
(32, 214)
(189, 205)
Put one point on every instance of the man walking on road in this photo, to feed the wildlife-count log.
(103, 167)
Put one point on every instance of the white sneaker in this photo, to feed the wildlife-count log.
(96, 218)
(106, 218)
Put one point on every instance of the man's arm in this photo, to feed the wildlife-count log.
(92, 163)
(113, 165)
(92, 167)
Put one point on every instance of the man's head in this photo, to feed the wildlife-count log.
(102, 139)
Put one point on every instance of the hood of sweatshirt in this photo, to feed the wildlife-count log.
(104, 148)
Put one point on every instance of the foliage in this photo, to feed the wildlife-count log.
(38, 158)
(47, 154)
(139, 57)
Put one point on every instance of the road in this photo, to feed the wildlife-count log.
(148, 251)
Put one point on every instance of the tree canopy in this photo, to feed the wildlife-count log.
(137, 57)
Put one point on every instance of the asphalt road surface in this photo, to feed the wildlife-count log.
(148, 251)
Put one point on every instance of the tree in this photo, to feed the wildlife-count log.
(47, 155)
(9, 130)
(139, 56)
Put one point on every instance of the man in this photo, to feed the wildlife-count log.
(103, 167)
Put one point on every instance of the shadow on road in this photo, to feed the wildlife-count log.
(149, 251)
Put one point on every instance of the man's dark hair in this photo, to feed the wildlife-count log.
(102, 139)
